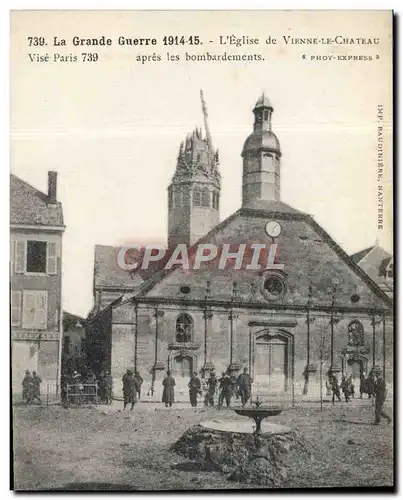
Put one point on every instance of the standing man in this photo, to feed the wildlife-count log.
(108, 387)
(129, 389)
(139, 383)
(244, 383)
(226, 386)
(380, 397)
(27, 387)
(36, 387)
(211, 387)
(334, 384)
(168, 394)
(194, 389)
(345, 387)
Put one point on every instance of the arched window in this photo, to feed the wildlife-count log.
(197, 198)
(355, 333)
(215, 200)
(184, 328)
(389, 270)
(170, 200)
(205, 198)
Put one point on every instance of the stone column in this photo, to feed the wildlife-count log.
(233, 365)
(159, 365)
(208, 365)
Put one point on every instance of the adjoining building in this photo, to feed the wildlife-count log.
(322, 313)
(36, 227)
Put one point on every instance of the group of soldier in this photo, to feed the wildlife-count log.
(31, 387)
(228, 386)
(374, 386)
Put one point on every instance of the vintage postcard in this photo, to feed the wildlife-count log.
(201, 250)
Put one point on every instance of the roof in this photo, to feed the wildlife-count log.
(357, 257)
(107, 271)
(263, 139)
(263, 102)
(374, 261)
(30, 206)
(266, 209)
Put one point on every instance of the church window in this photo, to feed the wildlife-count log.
(355, 333)
(266, 114)
(274, 286)
(185, 289)
(355, 298)
(197, 198)
(184, 328)
(179, 198)
(170, 200)
(205, 198)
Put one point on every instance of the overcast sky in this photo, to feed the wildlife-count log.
(112, 128)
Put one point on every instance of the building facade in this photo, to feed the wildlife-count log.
(316, 312)
(36, 227)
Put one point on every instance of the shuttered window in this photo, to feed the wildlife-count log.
(35, 309)
(15, 308)
(51, 258)
(20, 257)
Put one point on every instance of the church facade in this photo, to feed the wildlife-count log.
(315, 313)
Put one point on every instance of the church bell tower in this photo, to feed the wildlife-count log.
(261, 157)
(194, 192)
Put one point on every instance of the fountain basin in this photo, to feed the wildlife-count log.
(261, 411)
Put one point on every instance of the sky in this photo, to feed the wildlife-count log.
(112, 128)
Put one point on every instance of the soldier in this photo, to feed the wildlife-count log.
(139, 383)
(168, 394)
(226, 386)
(36, 387)
(27, 387)
(345, 387)
(244, 383)
(194, 389)
(334, 384)
(129, 389)
(211, 387)
(380, 397)
(108, 387)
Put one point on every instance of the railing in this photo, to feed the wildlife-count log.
(81, 394)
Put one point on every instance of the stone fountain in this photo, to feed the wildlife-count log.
(258, 413)
(261, 454)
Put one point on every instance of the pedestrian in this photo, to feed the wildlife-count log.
(334, 384)
(226, 388)
(351, 385)
(345, 387)
(211, 388)
(108, 387)
(194, 389)
(139, 383)
(27, 387)
(91, 382)
(129, 389)
(168, 394)
(244, 384)
(36, 387)
(380, 397)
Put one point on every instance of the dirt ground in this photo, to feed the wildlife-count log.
(103, 448)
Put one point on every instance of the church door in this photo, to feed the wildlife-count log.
(271, 364)
(182, 368)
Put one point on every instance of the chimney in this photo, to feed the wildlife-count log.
(52, 188)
